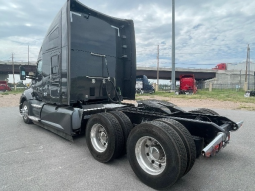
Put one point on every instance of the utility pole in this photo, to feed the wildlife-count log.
(173, 45)
(240, 78)
(157, 70)
(13, 73)
(28, 55)
(249, 67)
(247, 70)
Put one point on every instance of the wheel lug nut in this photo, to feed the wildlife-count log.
(147, 154)
(152, 161)
(146, 145)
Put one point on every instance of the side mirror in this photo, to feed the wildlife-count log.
(22, 73)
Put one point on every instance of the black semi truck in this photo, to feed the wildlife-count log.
(85, 68)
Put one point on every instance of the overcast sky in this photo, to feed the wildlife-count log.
(207, 32)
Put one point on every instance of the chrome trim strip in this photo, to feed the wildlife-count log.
(117, 29)
(71, 15)
(36, 106)
(34, 118)
(113, 105)
(94, 54)
(93, 109)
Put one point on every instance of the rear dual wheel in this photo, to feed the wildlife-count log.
(187, 140)
(106, 135)
(125, 124)
(156, 154)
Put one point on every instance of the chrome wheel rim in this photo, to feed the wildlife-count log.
(150, 155)
(99, 138)
(25, 112)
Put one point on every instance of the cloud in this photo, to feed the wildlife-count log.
(207, 32)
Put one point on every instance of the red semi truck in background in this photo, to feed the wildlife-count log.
(221, 66)
(187, 84)
(4, 86)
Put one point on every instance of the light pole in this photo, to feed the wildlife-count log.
(173, 45)
(157, 70)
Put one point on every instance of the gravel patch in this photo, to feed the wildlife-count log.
(12, 100)
(202, 103)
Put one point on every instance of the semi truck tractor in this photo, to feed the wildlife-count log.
(4, 86)
(221, 66)
(143, 85)
(187, 84)
(86, 67)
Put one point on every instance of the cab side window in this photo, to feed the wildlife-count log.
(54, 64)
(39, 67)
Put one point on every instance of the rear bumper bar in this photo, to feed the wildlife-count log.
(218, 142)
(239, 124)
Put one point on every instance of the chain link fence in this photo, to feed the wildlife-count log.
(206, 86)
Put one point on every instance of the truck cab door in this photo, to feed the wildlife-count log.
(55, 79)
(37, 83)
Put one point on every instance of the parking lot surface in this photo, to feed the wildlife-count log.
(32, 158)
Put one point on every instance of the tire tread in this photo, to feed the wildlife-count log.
(177, 140)
(187, 140)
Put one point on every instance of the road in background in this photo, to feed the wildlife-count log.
(32, 158)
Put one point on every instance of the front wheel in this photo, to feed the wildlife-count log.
(25, 112)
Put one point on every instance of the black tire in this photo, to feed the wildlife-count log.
(115, 139)
(186, 139)
(25, 107)
(204, 111)
(168, 143)
(154, 101)
(155, 106)
(152, 92)
(211, 111)
(125, 124)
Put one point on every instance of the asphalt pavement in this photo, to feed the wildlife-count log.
(32, 158)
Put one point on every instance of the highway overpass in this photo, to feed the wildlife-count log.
(7, 68)
(166, 73)
(151, 73)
